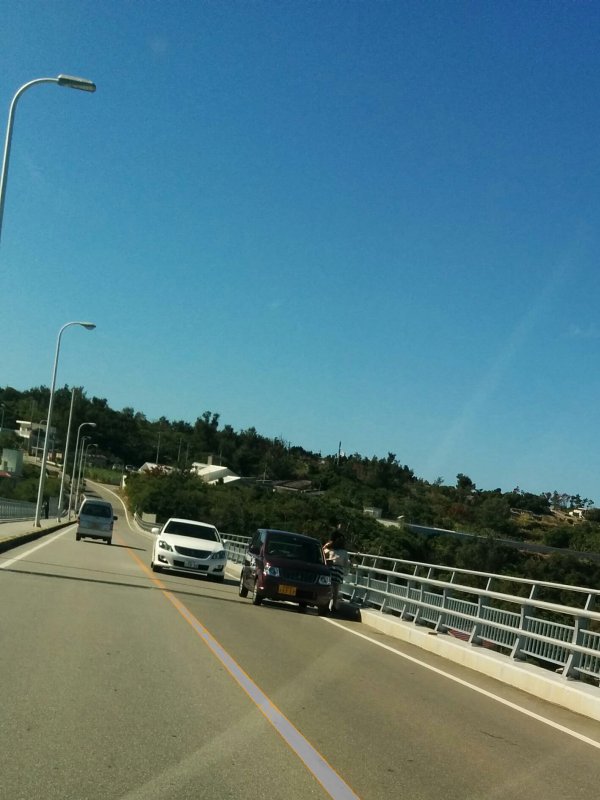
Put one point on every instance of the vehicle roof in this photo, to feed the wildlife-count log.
(97, 500)
(192, 521)
(290, 533)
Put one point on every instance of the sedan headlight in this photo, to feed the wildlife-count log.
(271, 570)
(165, 545)
(218, 555)
(325, 580)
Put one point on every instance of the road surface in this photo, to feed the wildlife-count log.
(118, 683)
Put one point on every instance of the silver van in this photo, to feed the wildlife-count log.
(95, 520)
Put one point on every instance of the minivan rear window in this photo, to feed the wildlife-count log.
(96, 510)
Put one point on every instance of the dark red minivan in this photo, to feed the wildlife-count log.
(281, 565)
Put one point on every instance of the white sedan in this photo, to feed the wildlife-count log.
(185, 545)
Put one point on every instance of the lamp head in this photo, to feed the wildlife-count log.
(76, 83)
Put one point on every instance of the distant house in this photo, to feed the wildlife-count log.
(148, 466)
(213, 473)
(578, 513)
(292, 486)
(33, 434)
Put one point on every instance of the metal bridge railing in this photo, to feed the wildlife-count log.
(11, 510)
(235, 546)
(501, 612)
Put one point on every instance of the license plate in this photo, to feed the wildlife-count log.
(191, 565)
(289, 590)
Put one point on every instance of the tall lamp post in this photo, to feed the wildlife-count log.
(74, 470)
(62, 80)
(88, 326)
(82, 452)
(64, 460)
(88, 447)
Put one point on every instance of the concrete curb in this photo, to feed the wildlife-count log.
(31, 536)
(579, 697)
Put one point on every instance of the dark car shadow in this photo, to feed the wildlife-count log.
(147, 587)
(113, 544)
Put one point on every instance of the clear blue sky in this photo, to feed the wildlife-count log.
(367, 222)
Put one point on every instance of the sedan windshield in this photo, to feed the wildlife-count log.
(181, 528)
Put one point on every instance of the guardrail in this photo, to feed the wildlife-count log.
(235, 546)
(16, 510)
(144, 524)
(519, 617)
(476, 607)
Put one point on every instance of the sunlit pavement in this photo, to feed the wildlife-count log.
(14, 533)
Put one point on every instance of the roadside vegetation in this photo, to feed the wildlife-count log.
(284, 485)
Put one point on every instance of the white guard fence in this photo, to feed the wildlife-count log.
(519, 617)
(21, 510)
(522, 618)
(11, 510)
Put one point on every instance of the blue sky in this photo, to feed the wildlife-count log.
(367, 222)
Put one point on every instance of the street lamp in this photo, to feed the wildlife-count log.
(88, 447)
(84, 439)
(74, 470)
(62, 80)
(88, 326)
(64, 459)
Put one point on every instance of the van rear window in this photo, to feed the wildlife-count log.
(96, 510)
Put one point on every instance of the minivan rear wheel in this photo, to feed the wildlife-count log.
(242, 591)
(322, 611)
(257, 597)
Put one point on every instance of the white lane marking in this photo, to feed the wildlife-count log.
(333, 784)
(11, 561)
(557, 726)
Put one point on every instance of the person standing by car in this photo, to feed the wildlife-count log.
(338, 560)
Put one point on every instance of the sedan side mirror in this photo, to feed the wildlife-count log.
(155, 531)
(115, 517)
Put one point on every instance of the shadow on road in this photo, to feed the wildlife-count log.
(114, 544)
(129, 585)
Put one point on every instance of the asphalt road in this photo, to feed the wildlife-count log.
(120, 684)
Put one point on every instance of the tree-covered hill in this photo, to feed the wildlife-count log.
(339, 487)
